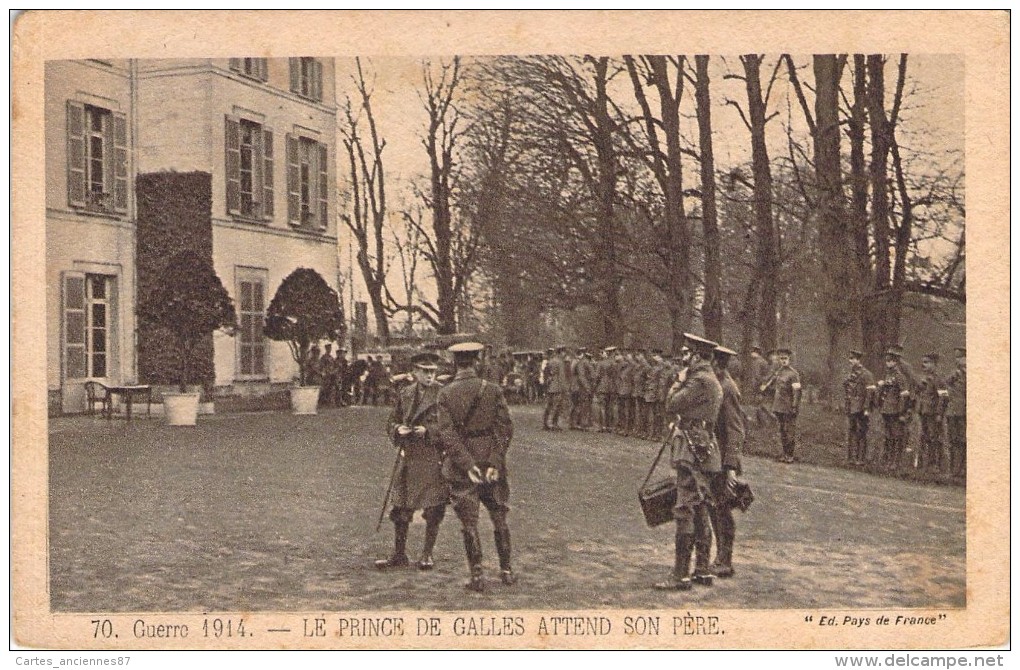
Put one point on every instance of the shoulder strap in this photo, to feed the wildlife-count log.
(473, 406)
(665, 443)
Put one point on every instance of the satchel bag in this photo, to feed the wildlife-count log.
(657, 498)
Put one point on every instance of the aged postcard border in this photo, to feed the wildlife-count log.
(982, 39)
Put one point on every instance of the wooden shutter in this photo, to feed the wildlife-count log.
(293, 181)
(74, 326)
(120, 162)
(235, 64)
(233, 171)
(75, 154)
(316, 91)
(267, 173)
(263, 65)
(323, 186)
(295, 75)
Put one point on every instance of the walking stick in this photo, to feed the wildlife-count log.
(389, 489)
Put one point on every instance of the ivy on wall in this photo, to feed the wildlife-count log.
(174, 216)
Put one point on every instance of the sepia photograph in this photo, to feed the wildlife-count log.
(511, 338)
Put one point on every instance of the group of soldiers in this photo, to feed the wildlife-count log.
(342, 383)
(940, 403)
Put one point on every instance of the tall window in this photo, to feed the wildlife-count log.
(256, 68)
(306, 77)
(251, 342)
(307, 182)
(87, 325)
(96, 158)
(249, 152)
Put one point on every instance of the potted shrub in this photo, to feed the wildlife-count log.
(304, 311)
(190, 304)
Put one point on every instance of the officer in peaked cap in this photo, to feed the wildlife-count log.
(932, 398)
(730, 430)
(859, 390)
(695, 401)
(475, 431)
(894, 403)
(784, 387)
(418, 483)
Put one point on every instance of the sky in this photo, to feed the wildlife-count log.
(932, 119)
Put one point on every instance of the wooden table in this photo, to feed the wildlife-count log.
(129, 393)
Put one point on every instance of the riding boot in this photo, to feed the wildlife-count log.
(399, 557)
(703, 544)
(678, 579)
(473, 547)
(431, 533)
(502, 537)
(725, 531)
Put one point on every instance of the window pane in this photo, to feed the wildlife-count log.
(99, 340)
(95, 119)
(257, 303)
(75, 293)
(246, 328)
(98, 365)
(259, 360)
(75, 324)
(246, 366)
(246, 297)
(98, 286)
(98, 315)
(257, 328)
(76, 362)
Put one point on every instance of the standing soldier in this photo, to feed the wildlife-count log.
(932, 398)
(418, 482)
(640, 374)
(695, 456)
(649, 394)
(785, 389)
(603, 389)
(894, 404)
(475, 431)
(670, 370)
(555, 387)
(859, 389)
(624, 391)
(730, 430)
(754, 376)
(956, 414)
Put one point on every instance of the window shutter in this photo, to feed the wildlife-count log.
(323, 190)
(267, 173)
(74, 326)
(75, 154)
(295, 75)
(263, 65)
(293, 182)
(316, 79)
(120, 162)
(235, 64)
(233, 173)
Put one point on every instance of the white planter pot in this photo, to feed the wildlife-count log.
(304, 399)
(181, 408)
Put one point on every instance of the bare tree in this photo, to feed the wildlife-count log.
(367, 216)
(406, 239)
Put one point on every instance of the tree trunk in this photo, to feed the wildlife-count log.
(768, 232)
(882, 304)
(607, 167)
(712, 310)
(836, 241)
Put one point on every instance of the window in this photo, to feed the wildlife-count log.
(249, 173)
(88, 300)
(306, 77)
(307, 182)
(256, 68)
(251, 343)
(96, 158)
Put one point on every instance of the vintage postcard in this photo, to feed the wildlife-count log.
(510, 330)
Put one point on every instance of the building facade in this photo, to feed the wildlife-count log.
(264, 129)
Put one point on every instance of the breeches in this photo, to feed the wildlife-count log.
(692, 497)
(467, 496)
(403, 515)
(787, 432)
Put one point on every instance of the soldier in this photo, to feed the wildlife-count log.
(859, 390)
(343, 382)
(418, 482)
(932, 399)
(695, 456)
(555, 387)
(649, 395)
(755, 375)
(624, 391)
(785, 390)
(603, 390)
(586, 372)
(475, 431)
(894, 405)
(669, 373)
(730, 430)
(956, 414)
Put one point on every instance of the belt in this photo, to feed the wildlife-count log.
(480, 433)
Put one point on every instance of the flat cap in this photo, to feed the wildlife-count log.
(894, 352)
(464, 348)
(784, 351)
(699, 344)
(856, 353)
(724, 352)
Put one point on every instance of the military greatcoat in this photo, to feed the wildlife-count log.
(420, 483)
